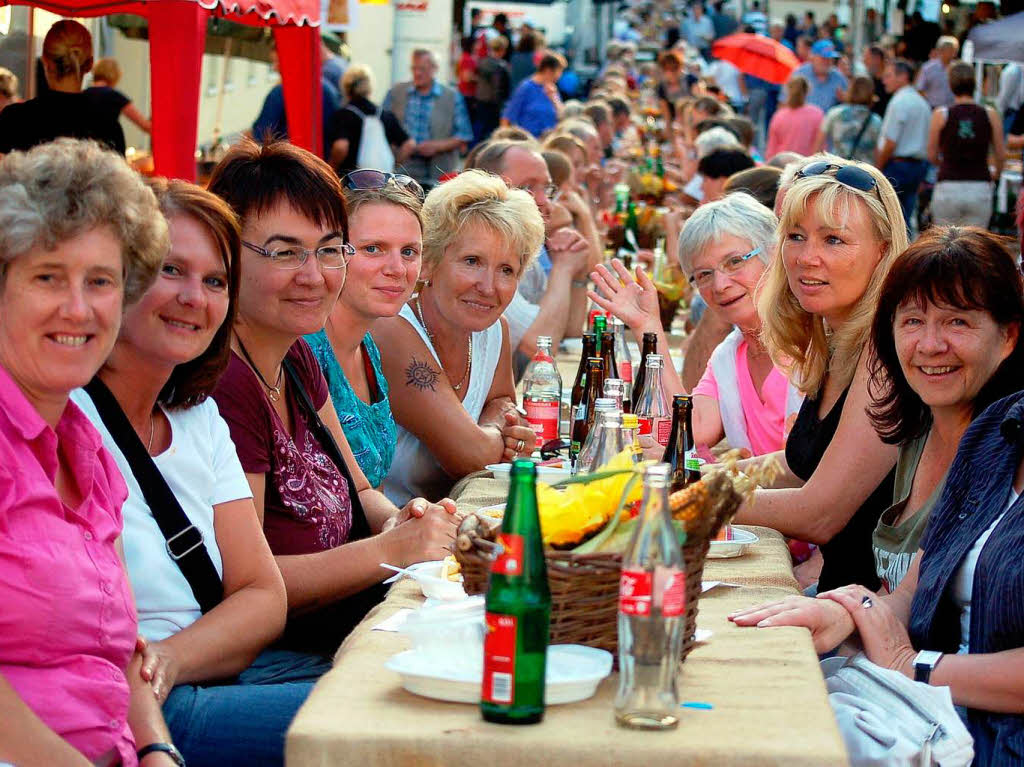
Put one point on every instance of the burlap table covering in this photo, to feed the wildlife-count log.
(769, 700)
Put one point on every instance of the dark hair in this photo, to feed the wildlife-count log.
(742, 127)
(724, 162)
(467, 44)
(598, 112)
(551, 60)
(500, 18)
(192, 382)
(961, 78)
(708, 106)
(964, 267)
(619, 106)
(879, 51)
(761, 183)
(255, 177)
(904, 67)
(861, 91)
(527, 43)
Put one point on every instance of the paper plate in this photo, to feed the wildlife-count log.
(548, 474)
(573, 674)
(735, 547)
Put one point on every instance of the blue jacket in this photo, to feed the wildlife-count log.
(976, 492)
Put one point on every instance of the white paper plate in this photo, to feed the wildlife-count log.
(573, 674)
(549, 474)
(736, 547)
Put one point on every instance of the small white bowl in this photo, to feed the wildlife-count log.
(547, 474)
(448, 591)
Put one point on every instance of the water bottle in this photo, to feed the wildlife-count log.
(542, 393)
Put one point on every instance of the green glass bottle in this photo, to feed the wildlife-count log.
(600, 325)
(518, 611)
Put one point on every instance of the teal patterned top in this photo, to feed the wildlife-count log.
(369, 429)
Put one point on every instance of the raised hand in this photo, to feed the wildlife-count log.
(635, 302)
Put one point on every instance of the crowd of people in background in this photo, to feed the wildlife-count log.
(302, 358)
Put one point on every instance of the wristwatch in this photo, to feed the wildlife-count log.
(165, 748)
(924, 663)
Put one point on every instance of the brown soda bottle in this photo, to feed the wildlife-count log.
(681, 452)
(606, 343)
(583, 417)
(579, 386)
(650, 346)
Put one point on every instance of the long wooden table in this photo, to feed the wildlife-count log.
(768, 699)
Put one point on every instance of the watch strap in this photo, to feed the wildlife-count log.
(924, 663)
(165, 748)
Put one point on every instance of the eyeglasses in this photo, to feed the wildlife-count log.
(548, 189)
(367, 178)
(333, 256)
(847, 175)
(702, 278)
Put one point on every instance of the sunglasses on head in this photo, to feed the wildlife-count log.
(847, 175)
(367, 178)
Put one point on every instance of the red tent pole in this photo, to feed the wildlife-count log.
(177, 38)
(298, 51)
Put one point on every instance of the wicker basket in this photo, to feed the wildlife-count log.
(585, 594)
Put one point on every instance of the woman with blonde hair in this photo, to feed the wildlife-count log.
(447, 354)
(64, 109)
(794, 126)
(841, 227)
(106, 74)
(349, 126)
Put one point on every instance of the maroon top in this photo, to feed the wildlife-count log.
(306, 504)
(964, 142)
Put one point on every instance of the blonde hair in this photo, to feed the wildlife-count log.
(477, 197)
(357, 81)
(67, 187)
(796, 91)
(389, 194)
(67, 48)
(107, 70)
(797, 340)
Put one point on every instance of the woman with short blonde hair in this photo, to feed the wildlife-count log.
(447, 354)
(841, 227)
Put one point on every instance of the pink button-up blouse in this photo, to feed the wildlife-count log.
(67, 621)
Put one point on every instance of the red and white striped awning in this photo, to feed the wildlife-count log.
(291, 12)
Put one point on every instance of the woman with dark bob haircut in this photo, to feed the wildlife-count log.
(947, 340)
(328, 528)
(206, 657)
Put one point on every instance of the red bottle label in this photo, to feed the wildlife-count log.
(672, 584)
(543, 418)
(510, 561)
(626, 371)
(645, 425)
(499, 682)
(635, 592)
(663, 431)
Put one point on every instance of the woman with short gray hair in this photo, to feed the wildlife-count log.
(724, 248)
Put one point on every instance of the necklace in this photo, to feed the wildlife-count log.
(274, 392)
(418, 311)
(152, 431)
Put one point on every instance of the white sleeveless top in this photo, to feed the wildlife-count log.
(414, 470)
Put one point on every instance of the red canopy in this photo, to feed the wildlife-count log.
(177, 34)
(757, 55)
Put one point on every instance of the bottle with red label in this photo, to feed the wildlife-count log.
(650, 346)
(652, 409)
(624, 361)
(518, 610)
(542, 393)
(652, 606)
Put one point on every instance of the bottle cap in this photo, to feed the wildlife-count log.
(604, 403)
(630, 421)
(659, 472)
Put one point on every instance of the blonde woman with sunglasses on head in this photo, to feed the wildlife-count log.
(840, 229)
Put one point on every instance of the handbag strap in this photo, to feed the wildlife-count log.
(183, 540)
(360, 526)
(860, 135)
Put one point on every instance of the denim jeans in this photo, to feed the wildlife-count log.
(906, 177)
(243, 722)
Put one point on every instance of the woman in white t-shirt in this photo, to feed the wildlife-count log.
(226, 699)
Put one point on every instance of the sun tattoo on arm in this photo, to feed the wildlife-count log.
(421, 375)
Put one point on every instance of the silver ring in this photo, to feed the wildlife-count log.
(520, 445)
(866, 603)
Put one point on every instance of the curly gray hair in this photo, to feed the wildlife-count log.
(737, 214)
(59, 190)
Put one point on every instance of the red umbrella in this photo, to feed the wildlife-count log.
(757, 55)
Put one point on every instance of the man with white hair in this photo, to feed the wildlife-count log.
(436, 118)
(933, 80)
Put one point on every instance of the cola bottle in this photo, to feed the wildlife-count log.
(542, 393)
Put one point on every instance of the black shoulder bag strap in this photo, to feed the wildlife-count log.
(860, 135)
(184, 541)
(360, 526)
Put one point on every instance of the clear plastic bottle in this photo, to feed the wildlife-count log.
(542, 393)
(652, 409)
(606, 441)
(623, 360)
(601, 405)
(614, 388)
(652, 604)
(630, 426)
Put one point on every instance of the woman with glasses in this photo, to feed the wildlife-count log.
(446, 355)
(328, 528)
(724, 249)
(387, 234)
(840, 229)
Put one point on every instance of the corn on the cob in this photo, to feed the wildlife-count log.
(687, 505)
